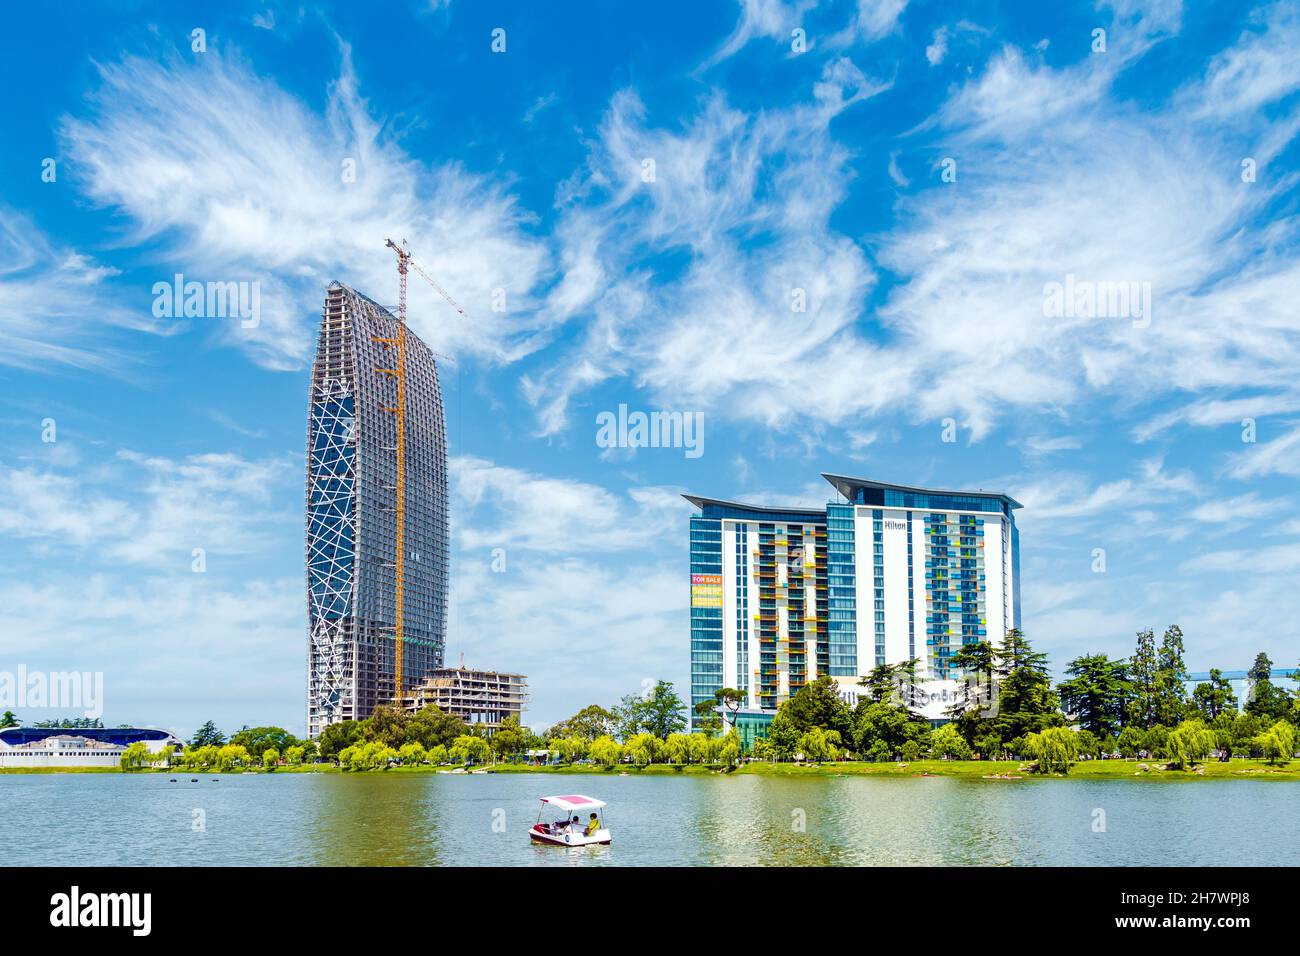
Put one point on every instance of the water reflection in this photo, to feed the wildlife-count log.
(436, 819)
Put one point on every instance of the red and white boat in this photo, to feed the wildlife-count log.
(560, 829)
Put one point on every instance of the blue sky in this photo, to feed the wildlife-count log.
(774, 170)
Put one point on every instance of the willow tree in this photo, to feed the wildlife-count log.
(1055, 749)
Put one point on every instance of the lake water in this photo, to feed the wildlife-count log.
(432, 819)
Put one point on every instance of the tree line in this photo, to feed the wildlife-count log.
(1009, 708)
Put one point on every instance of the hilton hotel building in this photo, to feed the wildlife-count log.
(884, 574)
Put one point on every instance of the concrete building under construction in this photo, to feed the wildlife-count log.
(377, 537)
(482, 699)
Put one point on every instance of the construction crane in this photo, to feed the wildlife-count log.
(398, 374)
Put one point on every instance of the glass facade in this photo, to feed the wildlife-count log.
(890, 574)
(841, 616)
(706, 610)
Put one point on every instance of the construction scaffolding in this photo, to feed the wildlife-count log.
(483, 699)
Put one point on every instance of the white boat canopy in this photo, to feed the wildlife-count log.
(574, 801)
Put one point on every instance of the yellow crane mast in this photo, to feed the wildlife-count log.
(398, 373)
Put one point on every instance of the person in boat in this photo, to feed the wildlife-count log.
(593, 825)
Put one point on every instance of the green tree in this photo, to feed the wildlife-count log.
(1131, 740)
(208, 736)
(819, 705)
(642, 748)
(335, 737)
(1187, 744)
(783, 735)
(230, 756)
(977, 660)
(882, 729)
(570, 748)
(412, 754)
(270, 758)
(8, 719)
(258, 740)
(1026, 701)
(704, 749)
(1097, 694)
(589, 723)
(469, 749)
(1054, 748)
(1171, 678)
(660, 712)
(606, 751)
(509, 737)
(386, 724)
(1267, 701)
(677, 749)
(430, 726)
(1215, 697)
(818, 743)
(1277, 743)
(135, 756)
(880, 683)
(730, 749)
(295, 755)
(1143, 671)
(707, 717)
(947, 742)
(730, 699)
(1090, 744)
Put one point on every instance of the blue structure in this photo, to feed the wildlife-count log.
(1240, 681)
(115, 736)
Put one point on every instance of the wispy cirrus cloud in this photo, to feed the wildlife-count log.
(58, 307)
(147, 510)
(767, 282)
(262, 188)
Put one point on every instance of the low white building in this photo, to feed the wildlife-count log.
(34, 748)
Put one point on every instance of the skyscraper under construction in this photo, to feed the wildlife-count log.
(361, 587)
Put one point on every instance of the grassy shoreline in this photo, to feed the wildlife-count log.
(1001, 771)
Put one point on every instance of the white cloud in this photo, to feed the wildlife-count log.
(513, 508)
(938, 49)
(1280, 456)
(57, 305)
(1257, 70)
(252, 187)
(1242, 508)
(770, 19)
(601, 565)
(878, 18)
(770, 292)
(173, 649)
(147, 511)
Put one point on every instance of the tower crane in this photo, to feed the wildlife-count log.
(398, 373)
